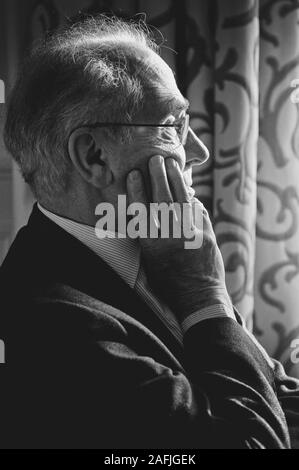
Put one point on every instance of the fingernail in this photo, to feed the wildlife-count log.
(134, 176)
(156, 160)
(171, 162)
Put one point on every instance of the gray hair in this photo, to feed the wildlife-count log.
(79, 76)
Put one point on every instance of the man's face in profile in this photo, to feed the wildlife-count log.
(164, 105)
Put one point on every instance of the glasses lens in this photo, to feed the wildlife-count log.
(182, 128)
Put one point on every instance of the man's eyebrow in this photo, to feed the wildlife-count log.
(181, 105)
(175, 104)
(187, 103)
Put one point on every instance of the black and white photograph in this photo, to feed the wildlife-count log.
(149, 227)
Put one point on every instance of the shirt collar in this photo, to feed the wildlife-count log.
(121, 254)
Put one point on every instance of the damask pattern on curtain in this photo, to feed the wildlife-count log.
(242, 57)
(236, 61)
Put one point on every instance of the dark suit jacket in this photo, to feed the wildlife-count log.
(88, 365)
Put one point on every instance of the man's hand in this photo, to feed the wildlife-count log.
(187, 279)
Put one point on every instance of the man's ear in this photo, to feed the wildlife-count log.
(88, 158)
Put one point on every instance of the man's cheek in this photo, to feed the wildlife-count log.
(162, 141)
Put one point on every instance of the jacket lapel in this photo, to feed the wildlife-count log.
(63, 259)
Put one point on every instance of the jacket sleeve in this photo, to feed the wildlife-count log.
(287, 388)
(96, 387)
(288, 395)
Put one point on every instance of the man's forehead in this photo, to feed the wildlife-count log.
(162, 102)
(179, 103)
(160, 71)
(164, 87)
(163, 96)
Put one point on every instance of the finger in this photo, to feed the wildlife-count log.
(135, 187)
(160, 187)
(204, 220)
(176, 181)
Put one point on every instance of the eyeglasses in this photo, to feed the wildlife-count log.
(181, 126)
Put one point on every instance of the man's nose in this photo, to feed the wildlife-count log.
(196, 152)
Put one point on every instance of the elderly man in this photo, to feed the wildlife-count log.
(116, 342)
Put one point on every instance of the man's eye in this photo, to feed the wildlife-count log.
(179, 126)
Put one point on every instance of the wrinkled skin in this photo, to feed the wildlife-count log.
(166, 105)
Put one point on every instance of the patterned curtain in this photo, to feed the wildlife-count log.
(236, 61)
(240, 60)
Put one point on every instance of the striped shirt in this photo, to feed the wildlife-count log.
(123, 255)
